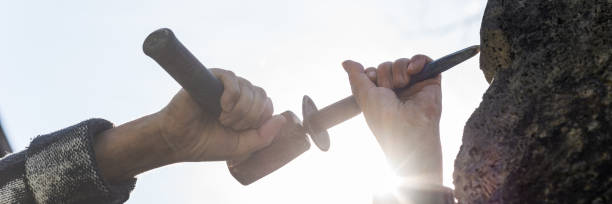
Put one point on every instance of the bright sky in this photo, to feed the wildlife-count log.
(62, 62)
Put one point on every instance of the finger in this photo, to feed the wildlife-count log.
(251, 119)
(383, 75)
(417, 63)
(398, 69)
(235, 161)
(371, 73)
(255, 139)
(242, 107)
(360, 83)
(418, 87)
(267, 113)
(439, 79)
(231, 88)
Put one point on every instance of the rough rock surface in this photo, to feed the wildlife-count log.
(542, 133)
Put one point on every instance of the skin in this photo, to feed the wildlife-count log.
(182, 132)
(406, 123)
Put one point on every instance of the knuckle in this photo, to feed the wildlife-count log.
(428, 59)
(215, 70)
(421, 58)
(230, 73)
(418, 56)
(219, 73)
(385, 65)
(383, 73)
(245, 89)
(245, 82)
(260, 91)
(401, 61)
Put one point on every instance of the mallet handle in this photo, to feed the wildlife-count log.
(171, 55)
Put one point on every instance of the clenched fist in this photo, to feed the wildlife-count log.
(405, 122)
(245, 125)
(182, 132)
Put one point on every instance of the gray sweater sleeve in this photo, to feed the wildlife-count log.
(60, 168)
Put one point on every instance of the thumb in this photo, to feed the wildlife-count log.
(253, 140)
(360, 82)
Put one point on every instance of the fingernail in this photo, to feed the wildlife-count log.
(411, 68)
(371, 75)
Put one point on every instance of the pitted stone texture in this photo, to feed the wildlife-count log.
(542, 132)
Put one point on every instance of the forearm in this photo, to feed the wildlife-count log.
(130, 149)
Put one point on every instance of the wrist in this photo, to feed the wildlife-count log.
(160, 137)
(420, 155)
(175, 137)
(130, 149)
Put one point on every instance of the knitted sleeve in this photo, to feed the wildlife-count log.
(60, 168)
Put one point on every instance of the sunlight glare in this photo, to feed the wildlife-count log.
(388, 182)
